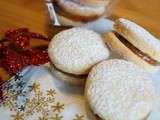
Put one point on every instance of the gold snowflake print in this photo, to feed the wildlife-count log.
(57, 117)
(42, 118)
(18, 116)
(35, 87)
(78, 117)
(58, 107)
(38, 103)
(10, 101)
(51, 92)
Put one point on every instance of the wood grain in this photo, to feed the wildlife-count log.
(33, 14)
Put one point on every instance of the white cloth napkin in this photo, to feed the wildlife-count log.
(34, 94)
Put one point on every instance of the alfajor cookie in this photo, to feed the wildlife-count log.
(77, 50)
(134, 43)
(119, 90)
(77, 11)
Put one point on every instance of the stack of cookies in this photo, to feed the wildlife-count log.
(115, 89)
(75, 12)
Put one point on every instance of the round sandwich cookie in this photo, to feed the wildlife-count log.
(71, 79)
(77, 11)
(134, 43)
(77, 50)
(119, 90)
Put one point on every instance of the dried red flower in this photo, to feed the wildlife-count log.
(11, 59)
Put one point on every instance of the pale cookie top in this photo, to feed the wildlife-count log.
(119, 90)
(76, 50)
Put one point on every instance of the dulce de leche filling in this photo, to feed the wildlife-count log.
(135, 50)
(70, 74)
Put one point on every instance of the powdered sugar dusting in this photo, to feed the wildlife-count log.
(76, 50)
(117, 90)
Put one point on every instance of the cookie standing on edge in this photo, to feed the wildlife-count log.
(119, 90)
(135, 44)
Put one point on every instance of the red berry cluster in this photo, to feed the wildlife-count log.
(13, 60)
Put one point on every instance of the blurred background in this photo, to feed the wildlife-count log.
(33, 14)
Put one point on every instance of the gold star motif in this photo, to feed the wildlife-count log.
(35, 87)
(42, 118)
(57, 117)
(51, 92)
(18, 116)
(58, 107)
(79, 117)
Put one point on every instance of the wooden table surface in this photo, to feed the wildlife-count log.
(33, 14)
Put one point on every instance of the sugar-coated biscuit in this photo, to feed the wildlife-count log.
(118, 47)
(119, 90)
(139, 37)
(77, 50)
